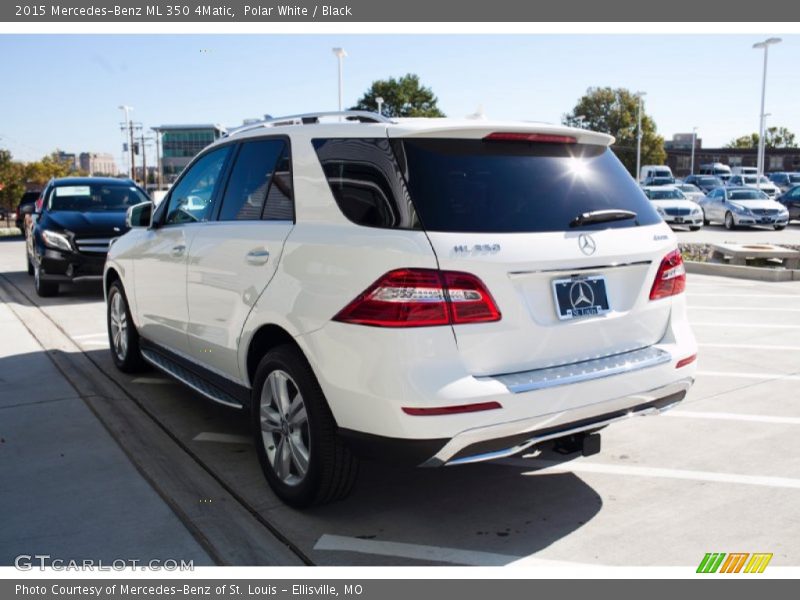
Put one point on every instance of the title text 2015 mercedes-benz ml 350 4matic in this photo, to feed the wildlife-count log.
(429, 290)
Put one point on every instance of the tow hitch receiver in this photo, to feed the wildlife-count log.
(585, 443)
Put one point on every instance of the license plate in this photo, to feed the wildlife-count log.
(580, 297)
(766, 220)
(679, 219)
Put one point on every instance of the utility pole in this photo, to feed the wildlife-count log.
(639, 136)
(158, 157)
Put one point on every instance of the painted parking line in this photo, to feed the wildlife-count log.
(745, 325)
(547, 467)
(222, 438)
(431, 553)
(89, 336)
(752, 347)
(738, 375)
(723, 416)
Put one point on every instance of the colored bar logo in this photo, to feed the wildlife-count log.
(735, 562)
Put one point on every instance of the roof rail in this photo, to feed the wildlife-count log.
(362, 116)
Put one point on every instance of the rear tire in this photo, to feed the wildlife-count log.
(302, 456)
(123, 339)
(44, 289)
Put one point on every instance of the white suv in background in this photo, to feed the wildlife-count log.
(429, 290)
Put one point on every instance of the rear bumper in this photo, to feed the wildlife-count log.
(507, 439)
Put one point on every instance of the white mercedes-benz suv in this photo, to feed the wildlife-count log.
(428, 290)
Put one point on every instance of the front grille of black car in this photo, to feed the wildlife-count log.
(94, 245)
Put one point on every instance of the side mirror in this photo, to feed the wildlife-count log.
(27, 209)
(139, 215)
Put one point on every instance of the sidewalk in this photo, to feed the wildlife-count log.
(66, 488)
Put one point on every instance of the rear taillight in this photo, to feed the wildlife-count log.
(422, 298)
(671, 277)
(513, 136)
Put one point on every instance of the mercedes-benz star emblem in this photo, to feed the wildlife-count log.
(587, 244)
(581, 295)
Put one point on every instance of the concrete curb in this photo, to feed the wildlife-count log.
(742, 272)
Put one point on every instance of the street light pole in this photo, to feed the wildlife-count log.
(694, 143)
(639, 136)
(340, 54)
(129, 135)
(379, 100)
(765, 46)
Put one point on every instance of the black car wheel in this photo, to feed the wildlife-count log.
(30, 264)
(303, 459)
(123, 338)
(44, 289)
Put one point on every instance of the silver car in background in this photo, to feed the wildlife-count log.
(737, 206)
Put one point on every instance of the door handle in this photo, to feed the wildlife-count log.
(178, 250)
(257, 256)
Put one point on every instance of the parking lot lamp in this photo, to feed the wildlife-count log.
(128, 135)
(694, 143)
(765, 46)
(340, 54)
(379, 100)
(639, 135)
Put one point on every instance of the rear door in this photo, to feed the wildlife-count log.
(233, 258)
(505, 209)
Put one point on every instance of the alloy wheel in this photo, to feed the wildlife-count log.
(119, 326)
(285, 428)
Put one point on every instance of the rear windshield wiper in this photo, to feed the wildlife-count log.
(602, 216)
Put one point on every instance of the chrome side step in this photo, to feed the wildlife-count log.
(198, 384)
(588, 370)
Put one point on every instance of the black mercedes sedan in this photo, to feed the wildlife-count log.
(75, 221)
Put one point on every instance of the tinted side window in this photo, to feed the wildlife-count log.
(280, 198)
(366, 182)
(191, 198)
(250, 180)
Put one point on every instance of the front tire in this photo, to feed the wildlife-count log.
(780, 227)
(123, 339)
(694, 228)
(730, 224)
(44, 289)
(303, 459)
(30, 264)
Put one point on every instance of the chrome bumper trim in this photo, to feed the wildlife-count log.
(472, 436)
(607, 366)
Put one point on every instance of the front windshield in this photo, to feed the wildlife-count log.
(692, 189)
(764, 180)
(710, 181)
(662, 180)
(665, 195)
(95, 197)
(747, 195)
(750, 180)
(794, 178)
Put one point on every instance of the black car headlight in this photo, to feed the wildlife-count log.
(57, 240)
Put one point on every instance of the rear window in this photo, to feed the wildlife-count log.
(794, 178)
(508, 187)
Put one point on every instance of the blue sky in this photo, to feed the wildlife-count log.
(63, 90)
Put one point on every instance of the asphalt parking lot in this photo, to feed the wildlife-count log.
(720, 473)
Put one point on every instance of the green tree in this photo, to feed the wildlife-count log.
(402, 97)
(775, 137)
(12, 180)
(614, 111)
